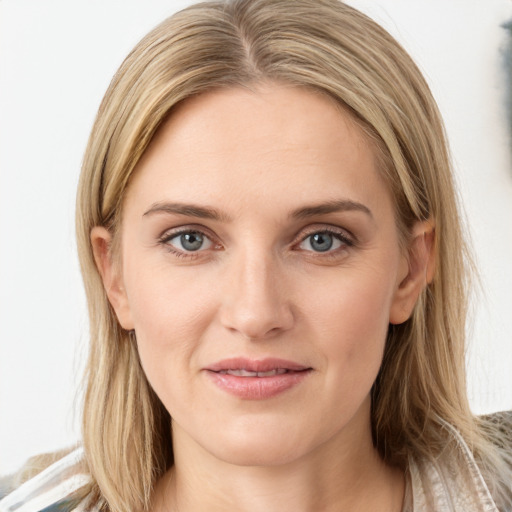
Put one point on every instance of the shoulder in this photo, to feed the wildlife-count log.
(459, 479)
(55, 488)
(499, 427)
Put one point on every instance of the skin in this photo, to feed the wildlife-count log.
(259, 287)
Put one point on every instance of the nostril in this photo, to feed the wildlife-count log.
(254, 324)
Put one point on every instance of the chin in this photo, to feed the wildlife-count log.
(259, 447)
(258, 456)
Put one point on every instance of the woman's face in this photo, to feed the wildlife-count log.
(260, 270)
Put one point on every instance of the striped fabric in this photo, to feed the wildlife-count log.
(51, 490)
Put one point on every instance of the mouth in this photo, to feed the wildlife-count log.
(247, 373)
(256, 379)
(244, 367)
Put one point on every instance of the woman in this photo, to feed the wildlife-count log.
(276, 279)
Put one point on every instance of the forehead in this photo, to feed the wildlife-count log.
(276, 143)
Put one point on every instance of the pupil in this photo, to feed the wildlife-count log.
(321, 242)
(191, 241)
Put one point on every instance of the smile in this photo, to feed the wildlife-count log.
(256, 380)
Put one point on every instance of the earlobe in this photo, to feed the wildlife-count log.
(419, 270)
(111, 275)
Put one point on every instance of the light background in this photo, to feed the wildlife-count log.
(56, 60)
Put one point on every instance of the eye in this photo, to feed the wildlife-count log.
(324, 241)
(188, 241)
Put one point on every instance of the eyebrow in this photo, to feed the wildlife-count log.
(190, 210)
(341, 205)
(207, 212)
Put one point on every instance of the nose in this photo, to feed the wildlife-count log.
(255, 300)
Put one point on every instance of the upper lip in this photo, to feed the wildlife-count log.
(256, 365)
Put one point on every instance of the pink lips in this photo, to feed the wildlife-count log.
(256, 379)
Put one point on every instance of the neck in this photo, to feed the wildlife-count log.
(341, 474)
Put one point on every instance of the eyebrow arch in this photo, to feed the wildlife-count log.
(334, 206)
(190, 210)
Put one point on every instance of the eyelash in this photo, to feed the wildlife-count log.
(340, 235)
(168, 236)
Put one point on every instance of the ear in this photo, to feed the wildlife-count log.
(418, 271)
(111, 275)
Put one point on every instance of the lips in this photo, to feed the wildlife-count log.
(256, 365)
(256, 379)
(246, 373)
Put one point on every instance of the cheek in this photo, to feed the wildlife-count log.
(169, 311)
(165, 299)
(351, 318)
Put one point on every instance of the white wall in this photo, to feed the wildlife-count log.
(56, 59)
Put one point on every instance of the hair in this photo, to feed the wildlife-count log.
(327, 47)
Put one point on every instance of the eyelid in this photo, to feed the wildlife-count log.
(169, 234)
(342, 233)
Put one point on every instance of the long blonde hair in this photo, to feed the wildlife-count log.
(329, 47)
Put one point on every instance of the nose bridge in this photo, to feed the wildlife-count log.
(255, 302)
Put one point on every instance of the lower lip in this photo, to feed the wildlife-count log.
(257, 388)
